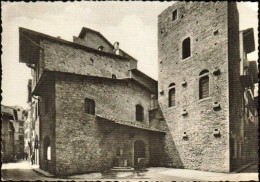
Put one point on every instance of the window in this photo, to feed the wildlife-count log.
(100, 47)
(15, 115)
(171, 98)
(47, 148)
(113, 76)
(139, 113)
(20, 130)
(204, 84)
(174, 15)
(21, 139)
(89, 106)
(36, 111)
(186, 48)
(20, 123)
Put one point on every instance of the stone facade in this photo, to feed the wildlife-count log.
(82, 136)
(214, 34)
(74, 140)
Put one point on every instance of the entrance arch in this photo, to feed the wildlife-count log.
(139, 151)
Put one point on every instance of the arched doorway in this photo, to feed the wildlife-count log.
(139, 151)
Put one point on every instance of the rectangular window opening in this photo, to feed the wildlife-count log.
(174, 15)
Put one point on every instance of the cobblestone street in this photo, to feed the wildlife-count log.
(22, 170)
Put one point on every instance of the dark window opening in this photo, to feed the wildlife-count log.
(186, 48)
(15, 115)
(172, 97)
(139, 113)
(100, 47)
(21, 139)
(174, 15)
(89, 106)
(204, 85)
(36, 111)
(113, 76)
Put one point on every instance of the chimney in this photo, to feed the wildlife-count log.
(116, 48)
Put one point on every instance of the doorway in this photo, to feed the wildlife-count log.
(139, 151)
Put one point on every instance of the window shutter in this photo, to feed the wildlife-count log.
(172, 97)
(204, 87)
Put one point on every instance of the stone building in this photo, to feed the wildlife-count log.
(18, 124)
(15, 117)
(7, 149)
(203, 83)
(31, 126)
(95, 110)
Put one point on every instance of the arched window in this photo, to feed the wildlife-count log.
(186, 48)
(172, 95)
(100, 47)
(139, 113)
(47, 148)
(113, 76)
(204, 84)
(89, 106)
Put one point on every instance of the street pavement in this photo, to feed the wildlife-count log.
(22, 170)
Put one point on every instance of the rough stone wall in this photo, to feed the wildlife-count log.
(64, 58)
(82, 144)
(209, 50)
(47, 127)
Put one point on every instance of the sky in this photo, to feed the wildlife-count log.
(133, 24)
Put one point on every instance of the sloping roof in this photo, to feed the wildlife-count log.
(84, 30)
(128, 123)
(29, 45)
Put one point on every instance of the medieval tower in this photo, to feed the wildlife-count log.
(198, 87)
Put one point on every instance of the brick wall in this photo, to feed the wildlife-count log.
(206, 25)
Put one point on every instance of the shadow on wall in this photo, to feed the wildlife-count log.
(170, 154)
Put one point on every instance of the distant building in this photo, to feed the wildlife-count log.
(19, 131)
(7, 150)
(91, 109)
(31, 128)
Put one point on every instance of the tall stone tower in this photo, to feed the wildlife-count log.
(199, 87)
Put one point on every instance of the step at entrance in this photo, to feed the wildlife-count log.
(122, 169)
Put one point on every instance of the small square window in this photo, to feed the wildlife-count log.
(174, 15)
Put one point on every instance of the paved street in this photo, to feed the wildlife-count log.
(22, 170)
